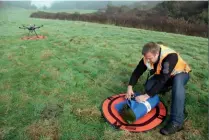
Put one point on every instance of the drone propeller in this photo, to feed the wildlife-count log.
(37, 27)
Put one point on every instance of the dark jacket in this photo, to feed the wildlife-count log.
(168, 64)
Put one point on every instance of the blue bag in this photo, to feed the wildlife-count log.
(131, 110)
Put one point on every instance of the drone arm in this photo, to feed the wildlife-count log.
(23, 27)
(38, 27)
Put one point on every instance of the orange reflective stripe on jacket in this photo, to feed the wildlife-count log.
(181, 65)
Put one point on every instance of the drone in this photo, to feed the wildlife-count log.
(31, 28)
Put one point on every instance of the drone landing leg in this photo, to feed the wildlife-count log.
(36, 33)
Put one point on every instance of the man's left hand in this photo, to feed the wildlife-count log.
(142, 98)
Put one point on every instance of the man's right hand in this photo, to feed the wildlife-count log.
(129, 92)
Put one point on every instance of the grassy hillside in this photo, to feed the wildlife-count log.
(53, 88)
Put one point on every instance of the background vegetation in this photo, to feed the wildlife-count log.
(53, 88)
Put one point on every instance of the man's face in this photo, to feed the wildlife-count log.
(151, 57)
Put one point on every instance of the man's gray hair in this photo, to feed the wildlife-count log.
(151, 47)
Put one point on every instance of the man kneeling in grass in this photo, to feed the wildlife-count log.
(168, 70)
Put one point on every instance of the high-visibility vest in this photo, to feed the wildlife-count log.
(180, 67)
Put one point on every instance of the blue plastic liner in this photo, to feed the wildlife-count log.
(139, 108)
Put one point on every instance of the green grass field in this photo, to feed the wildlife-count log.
(53, 88)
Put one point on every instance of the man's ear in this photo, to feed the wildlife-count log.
(156, 54)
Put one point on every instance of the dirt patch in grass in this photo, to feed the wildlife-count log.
(82, 108)
(5, 98)
(6, 86)
(39, 37)
(25, 97)
(43, 128)
(78, 40)
(7, 101)
(2, 70)
(10, 56)
(46, 54)
(52, 110)
(78, 98)
(188, 127)
(88, 113)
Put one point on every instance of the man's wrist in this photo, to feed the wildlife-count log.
(130, 86)
(147, 95)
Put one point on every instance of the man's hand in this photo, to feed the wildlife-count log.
(142, 98)
(129, 92)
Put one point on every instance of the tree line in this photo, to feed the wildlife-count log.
(189, 18)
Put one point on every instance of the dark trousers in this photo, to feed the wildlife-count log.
(178, 96)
